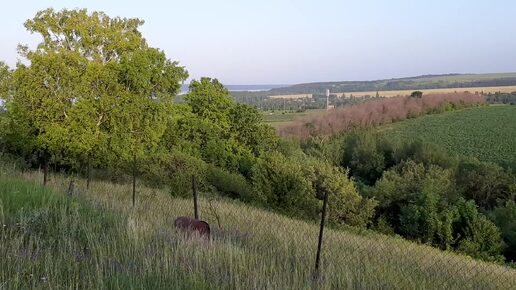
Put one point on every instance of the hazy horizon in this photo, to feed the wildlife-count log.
(290, 42)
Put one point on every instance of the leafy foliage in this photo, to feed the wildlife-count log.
(422, 204)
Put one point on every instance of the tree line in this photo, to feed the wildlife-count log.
(380, 111)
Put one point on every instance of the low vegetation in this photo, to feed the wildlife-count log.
(99, 106)
(97, 240)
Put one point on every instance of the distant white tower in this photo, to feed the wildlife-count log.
(327, 99)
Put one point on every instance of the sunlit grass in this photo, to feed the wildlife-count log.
(98, 240)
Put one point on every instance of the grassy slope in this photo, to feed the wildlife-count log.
(100, 241)
(487, 133)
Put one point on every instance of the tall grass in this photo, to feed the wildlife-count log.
(378, 112)
(98, 240)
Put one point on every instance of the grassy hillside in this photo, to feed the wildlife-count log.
(97, 240)
(487, 133)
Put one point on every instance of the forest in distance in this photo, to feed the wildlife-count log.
(95, 102)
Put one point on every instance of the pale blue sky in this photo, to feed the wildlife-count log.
(283, 42)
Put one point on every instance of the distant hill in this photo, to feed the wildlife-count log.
(409, 83)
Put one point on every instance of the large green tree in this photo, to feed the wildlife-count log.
(93, 88)
(5, 77)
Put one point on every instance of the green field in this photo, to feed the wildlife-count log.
(99, 241)
(487, 133)
(280, 118)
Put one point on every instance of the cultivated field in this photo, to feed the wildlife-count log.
(504, 89)
(99, 241)
(487, 133)
(396, 93)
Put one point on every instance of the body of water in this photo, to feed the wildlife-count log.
(242, 88)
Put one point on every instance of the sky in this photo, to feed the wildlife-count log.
(288, 42)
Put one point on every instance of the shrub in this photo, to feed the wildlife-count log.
(479, 237)
(230, 184)
(505, 218)
(284, 184)
(424, 153)
(345, 205)
(365, 156)
(486, 183)
(297, 185)
(421, 203)
(175, 171)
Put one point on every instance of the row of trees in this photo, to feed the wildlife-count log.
(501, 98)
(95, 94)
(379, 111)
(311, 101)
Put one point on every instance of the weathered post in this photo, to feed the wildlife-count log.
(321, 230)
(194, 190)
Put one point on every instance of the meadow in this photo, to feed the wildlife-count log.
(97, 240)
(280, 118)
(487, 133)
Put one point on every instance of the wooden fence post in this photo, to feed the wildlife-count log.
(321, 231)
(194, 190)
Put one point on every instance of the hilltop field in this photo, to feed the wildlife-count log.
(96, 239)
(487, 133)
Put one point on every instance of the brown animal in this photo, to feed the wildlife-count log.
(192, 225)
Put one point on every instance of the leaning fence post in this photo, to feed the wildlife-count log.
(194, 190)
(319, 244)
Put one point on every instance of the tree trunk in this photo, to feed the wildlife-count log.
(71, 187)
(134, 180)
(45, 172)
(88, 172)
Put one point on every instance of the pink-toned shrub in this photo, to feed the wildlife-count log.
(378, 112)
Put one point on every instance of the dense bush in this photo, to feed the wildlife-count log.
(175, 171)
(421, 203)
(346, 206)
(298, 185)
(486, 183)
(284, 184)
(505, 218)
(424, 153)
(230, 184)
(366, 156)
